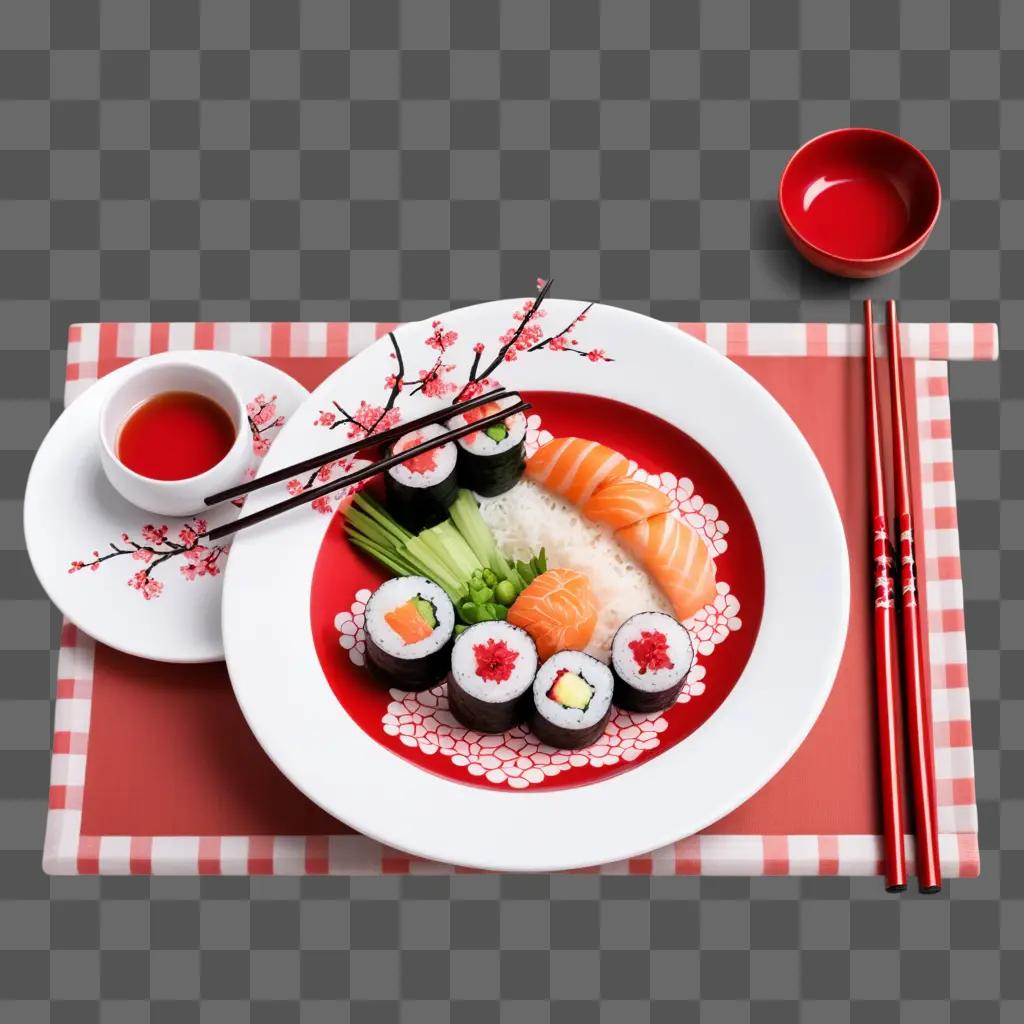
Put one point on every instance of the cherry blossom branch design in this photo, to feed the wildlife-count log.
(156, 547)
(524, 336)
(263, 418)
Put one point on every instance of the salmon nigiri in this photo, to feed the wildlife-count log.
(574, 467)
(558, 610)
(677, 559)
(624, 502)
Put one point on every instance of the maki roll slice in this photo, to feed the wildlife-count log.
(409, 625)
(491, 461)
(493, 667)
(421, 489)
(572, 700)
(651, 657)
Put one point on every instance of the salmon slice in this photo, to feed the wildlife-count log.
(575, 467)
(558, 610)
(408, 623)
(677, 559)
(624, 502)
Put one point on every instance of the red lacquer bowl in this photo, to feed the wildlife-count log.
(859, 202)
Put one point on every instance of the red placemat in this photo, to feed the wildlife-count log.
(154, 768)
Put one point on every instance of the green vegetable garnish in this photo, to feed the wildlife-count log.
(459, 555)
(497, 432)
(427, 611)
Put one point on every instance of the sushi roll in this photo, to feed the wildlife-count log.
(420, 490)
(572, 700)
(409, 625)
(491, 461)
(493, 666)
(651, 656)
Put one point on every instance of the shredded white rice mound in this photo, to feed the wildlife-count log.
(528, 518)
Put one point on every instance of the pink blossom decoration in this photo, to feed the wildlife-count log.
(153, 534)
(440, 338)
(154, 549)
(262, 415)
(145, 585)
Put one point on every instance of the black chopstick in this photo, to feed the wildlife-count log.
(371, 440)
(305, 497)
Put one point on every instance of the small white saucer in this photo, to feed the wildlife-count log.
(140, 583)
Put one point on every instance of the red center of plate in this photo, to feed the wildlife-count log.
(657, 447)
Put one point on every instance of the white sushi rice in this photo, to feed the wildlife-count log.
(528, 518)
(594, 672)
(446, 456)
(464, 663)
(478, 443)
(679, 652)
(392, 594)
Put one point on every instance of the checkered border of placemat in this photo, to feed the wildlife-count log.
(95, 348)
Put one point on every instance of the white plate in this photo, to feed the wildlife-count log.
(72, 511)
(300, 723)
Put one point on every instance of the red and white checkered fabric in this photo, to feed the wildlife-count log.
(96, 348)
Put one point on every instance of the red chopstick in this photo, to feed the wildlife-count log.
(886, 662)
(918, 699)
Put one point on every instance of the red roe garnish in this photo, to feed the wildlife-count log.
(495, 660)
(651, 651)
(425, 463)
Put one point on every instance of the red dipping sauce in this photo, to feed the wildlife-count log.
(175, 435)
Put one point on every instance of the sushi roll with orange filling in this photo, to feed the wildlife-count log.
(409, 625)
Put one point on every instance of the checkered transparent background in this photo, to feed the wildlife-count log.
(377, 160)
